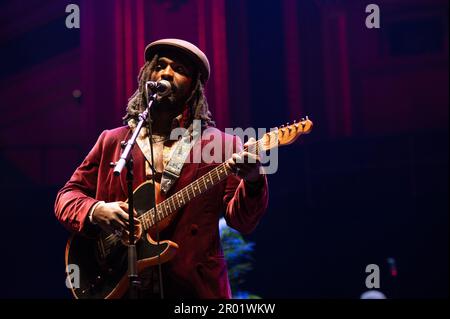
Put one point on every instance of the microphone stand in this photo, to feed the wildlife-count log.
(152, 167)
(127, 160)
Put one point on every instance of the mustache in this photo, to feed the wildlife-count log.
(173, 87)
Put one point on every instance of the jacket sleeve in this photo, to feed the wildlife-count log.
(245, 204)
(76, 198)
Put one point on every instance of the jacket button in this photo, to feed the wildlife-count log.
(194, 229)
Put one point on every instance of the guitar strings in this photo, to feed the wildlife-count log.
(112, 239)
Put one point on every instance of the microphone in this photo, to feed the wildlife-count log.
(162, 88)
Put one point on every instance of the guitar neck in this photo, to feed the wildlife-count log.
(281, 136)
(183, 196)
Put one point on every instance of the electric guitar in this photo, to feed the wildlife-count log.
(102, 261)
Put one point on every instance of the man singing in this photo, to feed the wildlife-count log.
(94, 200)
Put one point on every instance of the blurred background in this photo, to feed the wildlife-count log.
(369, 185)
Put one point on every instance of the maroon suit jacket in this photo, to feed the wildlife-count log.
(198, 270)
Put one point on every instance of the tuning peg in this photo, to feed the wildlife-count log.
(288, 126)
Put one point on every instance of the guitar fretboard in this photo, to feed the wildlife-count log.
(183, 196)
(201, 185)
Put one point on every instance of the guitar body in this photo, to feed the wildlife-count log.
(103, 261)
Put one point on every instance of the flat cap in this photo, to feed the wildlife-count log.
(188, 49)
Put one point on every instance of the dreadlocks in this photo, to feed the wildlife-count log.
(197, 103)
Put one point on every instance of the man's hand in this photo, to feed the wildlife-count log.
(246, 164)
(113, 217)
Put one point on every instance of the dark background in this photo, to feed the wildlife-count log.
(369, 183)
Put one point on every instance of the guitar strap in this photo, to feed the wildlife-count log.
(172, 171)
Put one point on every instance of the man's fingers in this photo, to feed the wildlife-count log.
(118, 223)
(251, 145)
(246, 157)
(122, 215)
(125, 217)
(241, 164)
(251, 158)
(237, 158)
(124, 211)
(250, 141)
(123, 206)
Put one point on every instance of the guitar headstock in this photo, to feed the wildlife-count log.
(287, 134)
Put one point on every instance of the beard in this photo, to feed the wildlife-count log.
(173, 102)
(169, 104)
